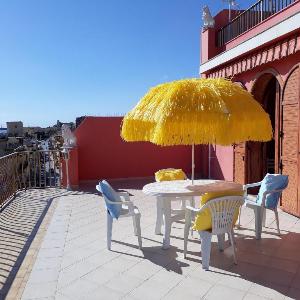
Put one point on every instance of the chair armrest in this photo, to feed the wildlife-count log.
(250, 185)
(115, 202)
(273, 191)
(269, 192)
(191, 212)
(124, 195)
(193, 209)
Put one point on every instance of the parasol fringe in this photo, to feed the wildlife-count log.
(197, 111)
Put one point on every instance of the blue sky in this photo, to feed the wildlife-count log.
(60, 59)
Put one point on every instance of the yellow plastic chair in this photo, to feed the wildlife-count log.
(223, 211)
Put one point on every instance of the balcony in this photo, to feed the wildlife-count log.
(249, 18)
(53, 245)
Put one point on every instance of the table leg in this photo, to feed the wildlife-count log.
(159, 215)
(167, 220)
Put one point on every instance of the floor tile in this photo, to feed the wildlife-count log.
(225, 293)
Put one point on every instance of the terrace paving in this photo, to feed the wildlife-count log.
(54, 247)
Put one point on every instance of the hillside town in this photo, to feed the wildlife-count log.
(15, 137)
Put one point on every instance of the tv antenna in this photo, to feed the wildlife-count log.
(231, 4)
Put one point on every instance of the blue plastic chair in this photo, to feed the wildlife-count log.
(127, 209)
(266, 199)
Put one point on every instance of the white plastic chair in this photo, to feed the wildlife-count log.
(260, 209)
(128, 210)
(222, 211)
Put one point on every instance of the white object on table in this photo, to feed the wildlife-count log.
(165, 191)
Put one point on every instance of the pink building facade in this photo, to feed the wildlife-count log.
(259, 49)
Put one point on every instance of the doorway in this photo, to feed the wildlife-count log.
(262, 157)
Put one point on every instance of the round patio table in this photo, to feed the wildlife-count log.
(166, 191)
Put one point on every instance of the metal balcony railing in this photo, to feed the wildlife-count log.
(29, 169)
(249, 18)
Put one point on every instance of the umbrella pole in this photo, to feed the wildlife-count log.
(193, 163)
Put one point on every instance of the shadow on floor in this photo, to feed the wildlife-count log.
(118, 184)
(20, 220)
(155, 254)
(271, 262)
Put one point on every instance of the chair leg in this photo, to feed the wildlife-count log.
(183, 204)
(192, 204)
(134, 220)
(228, 238)
(277, 220)
(192, 201)
(264, 212)
(258, 222)
(221, 240)
(159, 215)
(205, 248)
(138, 229)
(187, 225)
(240, 215)
(109, 230)
(231, 236)
(168, 223)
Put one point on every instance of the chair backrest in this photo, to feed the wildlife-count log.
(170, 174)
(223, 210)
(110, 196)
(272, 182)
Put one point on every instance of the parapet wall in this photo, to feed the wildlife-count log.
(101, 153)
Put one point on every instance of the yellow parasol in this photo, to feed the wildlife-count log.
(197, 111)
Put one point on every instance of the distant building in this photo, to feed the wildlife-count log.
(3, 133)
(71, 125)
(13, 143)
(15, 129)
(79, 120)
(3, 147)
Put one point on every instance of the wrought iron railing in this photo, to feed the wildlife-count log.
(29, 169)
(249, 18)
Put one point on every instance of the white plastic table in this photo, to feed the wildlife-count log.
(166, 191)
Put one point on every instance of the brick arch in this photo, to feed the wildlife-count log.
(259, 86)
(261, 80)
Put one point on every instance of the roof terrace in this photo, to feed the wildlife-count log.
(53, 240)
(53, 245)
(249, 18)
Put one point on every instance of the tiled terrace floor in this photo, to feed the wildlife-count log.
(66, 258)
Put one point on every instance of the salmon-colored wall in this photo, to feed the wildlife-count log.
(103, 154)
(221, 162)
